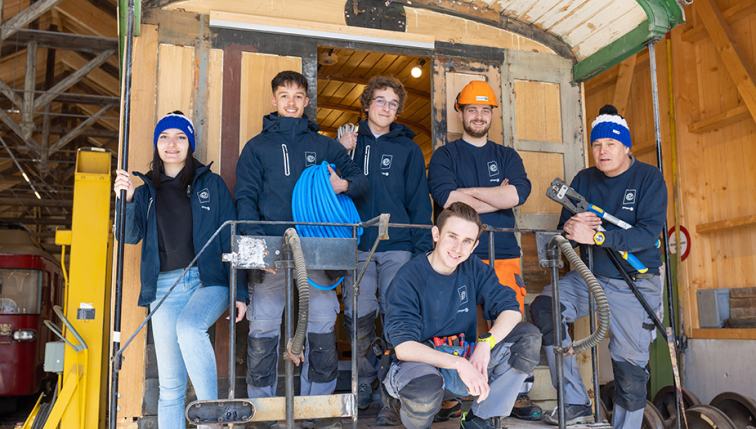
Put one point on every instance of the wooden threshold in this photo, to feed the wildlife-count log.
(724, 334)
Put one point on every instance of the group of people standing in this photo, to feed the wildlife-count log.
(424, 283)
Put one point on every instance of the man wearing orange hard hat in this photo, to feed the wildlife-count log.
(491, 178)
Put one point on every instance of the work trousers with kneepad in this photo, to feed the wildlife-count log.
(265, 311)
(378, 275)
(420, 387)
(630, 330)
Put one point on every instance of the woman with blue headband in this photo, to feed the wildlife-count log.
(179, 207)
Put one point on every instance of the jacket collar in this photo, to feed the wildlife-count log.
(395, 130)
(272, 123)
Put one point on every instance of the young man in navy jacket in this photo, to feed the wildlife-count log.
(636, 193)
(395, 167)
(268, 169)
(491, 178)
(435, 295)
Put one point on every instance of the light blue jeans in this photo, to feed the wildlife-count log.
(182, 345)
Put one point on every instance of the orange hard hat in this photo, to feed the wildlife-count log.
(476, 92)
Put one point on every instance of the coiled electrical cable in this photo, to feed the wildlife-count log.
(314, 200)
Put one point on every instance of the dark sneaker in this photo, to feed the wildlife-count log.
(445, 414)
(525, 409)
(574, 414)
(364, 396)
(471, 421)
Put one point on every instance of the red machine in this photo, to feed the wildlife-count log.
(31, 282)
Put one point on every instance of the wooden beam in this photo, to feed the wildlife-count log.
(98, 79)
(26, 16)
(735, 62)
(624, 81)
(57, 40)
(363, 81)
(19, 132)
(30, 84)
(334, 106)
(41, 221)
(742, 9)
(71, 79)
(89, 17)
(9, 92)
(731, 116)
(723, 225)
(33, 202)
(79, 129)
(90, 132)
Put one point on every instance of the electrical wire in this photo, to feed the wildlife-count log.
(21, 169)
(347, 128)
(314, 200)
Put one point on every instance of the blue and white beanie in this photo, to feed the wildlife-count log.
(178, 121)
(609, 124)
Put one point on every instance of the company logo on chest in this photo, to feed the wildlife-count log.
(628, 201)
(494, 171)
(463, 298)
(204, 198)
(310, 158)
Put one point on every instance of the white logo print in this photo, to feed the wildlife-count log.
(627, 208)
(310, 158)
(386, 161)
(204, 196)
(463, 310)
(462, 295)
(493, 168)
(630, 195)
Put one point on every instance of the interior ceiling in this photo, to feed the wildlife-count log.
(341, 84)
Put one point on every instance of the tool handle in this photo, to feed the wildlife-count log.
(598, 211)
(634, 262)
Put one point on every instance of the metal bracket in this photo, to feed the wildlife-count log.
(258, 252)
(542, 242)
(228, 411)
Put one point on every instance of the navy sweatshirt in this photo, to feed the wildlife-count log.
(422, 304)
(271, 163)
(395, 167)
(461, 165)
(639, 197)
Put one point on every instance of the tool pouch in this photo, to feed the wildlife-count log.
(452, 382)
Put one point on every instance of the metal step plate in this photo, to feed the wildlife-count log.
(237, 411)
(258, 252)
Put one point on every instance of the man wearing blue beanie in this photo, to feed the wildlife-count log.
(636, 193)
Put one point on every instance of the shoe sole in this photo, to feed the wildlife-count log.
(577, 420)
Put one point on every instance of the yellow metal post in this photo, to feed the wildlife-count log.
(88, 294)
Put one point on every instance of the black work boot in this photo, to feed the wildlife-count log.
(525, 409)
(389, 413)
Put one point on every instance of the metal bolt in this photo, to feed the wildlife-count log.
(197, 405)
(278, 252)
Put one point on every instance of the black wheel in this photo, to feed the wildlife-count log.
(740, 409)
(706, 417)
(665, 401)
(652, 418)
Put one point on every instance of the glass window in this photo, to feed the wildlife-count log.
(19, 291)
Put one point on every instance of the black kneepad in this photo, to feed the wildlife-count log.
(630, 381)
(261, 361)
(525, 351)
(543, 317)
(324, 364)
(421, 398)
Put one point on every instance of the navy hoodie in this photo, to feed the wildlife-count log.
(459, 164)
(271, 163)
(211, 206)
(395, 167)
(639, 197)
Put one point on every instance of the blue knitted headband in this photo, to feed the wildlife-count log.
(175, 120)
(611, 126)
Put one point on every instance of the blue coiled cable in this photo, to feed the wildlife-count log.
(315, 201)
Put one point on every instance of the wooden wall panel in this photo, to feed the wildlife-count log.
(538, 111)
(214, 108)
(542, 168)
(176, 79)
(131, 382)
(257, 70)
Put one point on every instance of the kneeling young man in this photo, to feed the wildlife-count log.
(436, 295)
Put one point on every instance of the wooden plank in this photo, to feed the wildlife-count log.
(725, 334)
(143, 87)
(364, 81)
(624, 82)
(214, 108)
(723, 225)
(743, 292)
(538, 111)
(542, 168)
(58, 145)
(176, 79)
(331, 12)
(98, 79)
(742, 9)
(89, 17)
(721, 120)
(34, 11)
(257, 70)
(733, 58)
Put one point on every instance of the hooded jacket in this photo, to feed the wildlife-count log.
(271, 163)
(211, 206)
(395, 168)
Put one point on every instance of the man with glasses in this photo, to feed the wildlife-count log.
(490, 178)
(395, 168)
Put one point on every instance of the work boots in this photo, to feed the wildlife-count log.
(389, 413)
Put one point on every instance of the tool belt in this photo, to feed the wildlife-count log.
(454, 346)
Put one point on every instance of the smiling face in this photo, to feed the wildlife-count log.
(380, 118)
(173, 147)
(454, 244)
(290, 101)
(611, 156)
(476, 119)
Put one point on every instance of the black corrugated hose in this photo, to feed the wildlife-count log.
(602, 305)
(297, 343)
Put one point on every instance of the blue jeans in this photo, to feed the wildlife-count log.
(182, 345)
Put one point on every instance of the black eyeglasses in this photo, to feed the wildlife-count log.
(380, 102)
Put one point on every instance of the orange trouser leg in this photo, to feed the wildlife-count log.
(505, 271)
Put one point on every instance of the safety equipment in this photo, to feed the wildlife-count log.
(476, 92)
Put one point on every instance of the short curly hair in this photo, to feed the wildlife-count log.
(381, 82)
